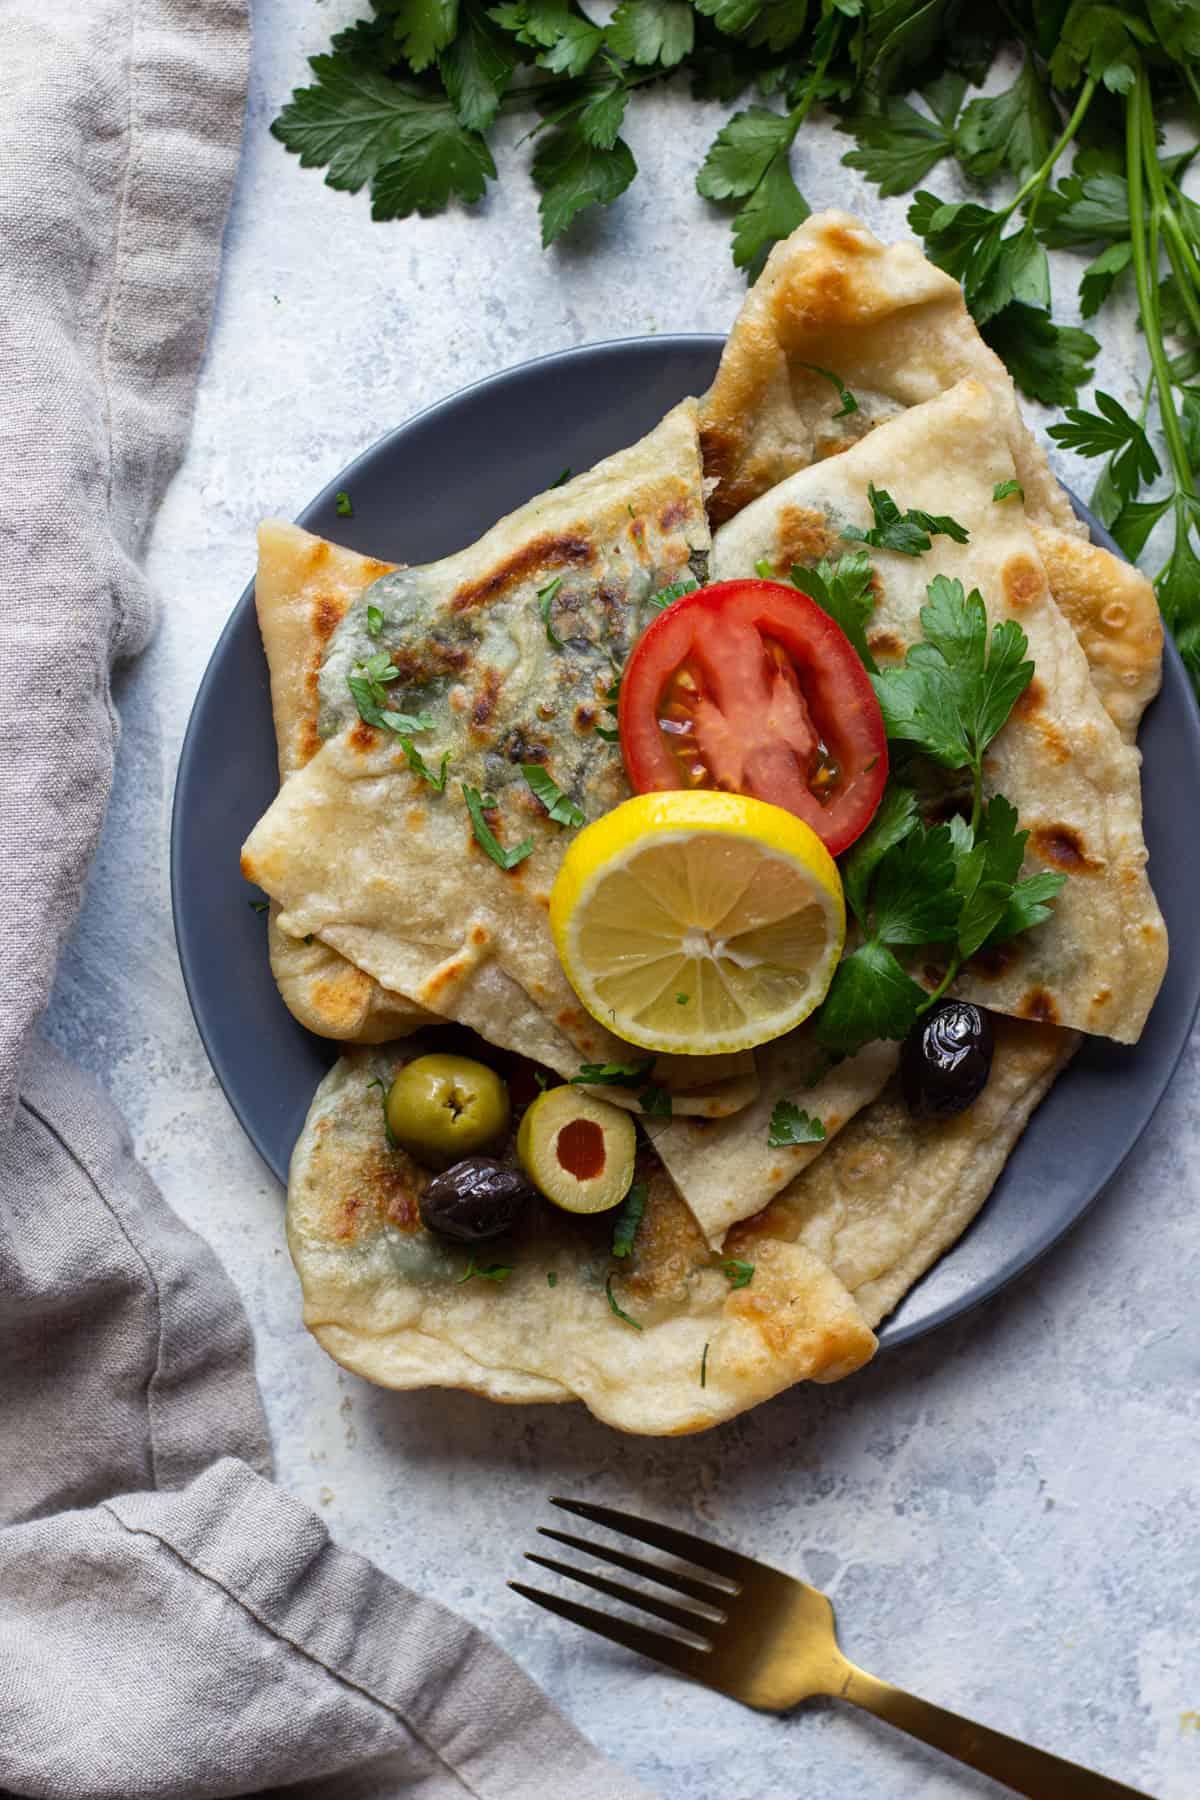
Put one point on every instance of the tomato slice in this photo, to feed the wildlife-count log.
(750, 687)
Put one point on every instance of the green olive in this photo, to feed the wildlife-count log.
(444, 1107)
(578, 1150)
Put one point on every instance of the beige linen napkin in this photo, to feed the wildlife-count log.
(171, 1624)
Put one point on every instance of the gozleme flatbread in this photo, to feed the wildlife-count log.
(893, 327)
(303, 588)
(1097, 963)
(384, 1296)
(510, 647)
(894, 1192)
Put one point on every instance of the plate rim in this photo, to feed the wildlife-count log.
(892, 1332)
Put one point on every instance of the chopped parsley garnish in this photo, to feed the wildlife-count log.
(344, 509)
(790, 1124)
(561, 808)
(551, 1277)
(493, 1272)
(1004, 490)
(849, 403)
(682, 999)
(843, 590)
(739, 1274)
(910, 533)
(609, 733)
(368, 688)
(374, 621)
(308, 937)
(545, 602)
(652, 1098)
(416, 761)
(628, 1218)
(504, 859)
(764, 571)
(619, 1311)
(704, 1366)
(667, 596)
(259, 905)
(957, 886)
(389, 1134)
(563, 478)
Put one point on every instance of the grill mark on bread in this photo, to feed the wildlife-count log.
(567, 551)
(1063, 846)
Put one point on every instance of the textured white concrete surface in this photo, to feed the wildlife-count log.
(1006, 1514)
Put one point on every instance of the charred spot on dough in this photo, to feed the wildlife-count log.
(416, 818)
(1023, 581)
(637, 531)
(1063, 846)
(519, 745)
(566, 551)
(362, 736)
(1054, 744)
(586, 717)
(674, 513)
(320, 553)
(444, 978)
(327, 614)
(341, 998)
(310, 738)
(992, 964)
(1031, 700)
(719, 453)
(803, 536)
(1103, 997)
(479, 936)
(884, 644)
(817, 298)
(375, 569)
(1038, 1005)
(487, 698)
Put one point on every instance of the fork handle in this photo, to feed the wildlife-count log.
(1021, 1767)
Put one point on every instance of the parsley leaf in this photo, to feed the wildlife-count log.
(493, 1272)
(344, 508)
(790, 1124)
(617, 1310)
(748, 160)
(551, 1278)
(417, 763)
(844, 591)
(894, 820)
(628, 1218)
(849, 403)
(1004, 490)
(613, 1074)
(667, 596)
(1048, 362)
(392, 1140)
(1097, 281)
(911, 533)
(897, 146)
(374, 621)
(704, 1365)
(546, 598)
(1013, 130)
(476, 67)
(955, 690)
(259, 906)
(771, 213)
(504, 859)
(363, 126)
(1110, 432)
(738, 1274)
(652, 31)
(870, 997)
(912, 897)
(573, 174)
(561, 808)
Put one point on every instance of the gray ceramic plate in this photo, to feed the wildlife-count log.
(436, 484)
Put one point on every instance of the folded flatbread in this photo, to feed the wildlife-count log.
(387, 1300)
(509, 648)
(303, 589)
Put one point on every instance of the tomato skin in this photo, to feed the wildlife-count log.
(772, 676)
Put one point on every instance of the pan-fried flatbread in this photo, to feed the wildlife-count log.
(385, 1297)
(510, 647)
(894, 1192)
(303, 589)
(895, 329)
(1097, 963)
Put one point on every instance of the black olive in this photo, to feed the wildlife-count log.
(477, 1198)
(946, 1059)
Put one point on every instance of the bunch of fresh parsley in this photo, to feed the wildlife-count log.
(406, 97)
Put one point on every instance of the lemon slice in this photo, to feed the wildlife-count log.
(698, 922)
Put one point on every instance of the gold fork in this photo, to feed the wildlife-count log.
(768, 1640)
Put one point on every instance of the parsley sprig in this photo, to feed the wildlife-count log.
(956, 887)
(911, 532)
(478, 805)
(652, 1097)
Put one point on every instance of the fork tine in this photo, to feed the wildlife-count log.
(684, 1658)
(709, 1593)
(697, 1623)
(697, 1550)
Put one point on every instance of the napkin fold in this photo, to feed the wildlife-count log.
(171, 1623)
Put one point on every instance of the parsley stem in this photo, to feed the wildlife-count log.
(1140, 150)
(1037, 181)
(943, 984)
(1183, 261)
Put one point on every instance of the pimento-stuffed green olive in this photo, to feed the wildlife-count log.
(577, 1150)
(443, 1107)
